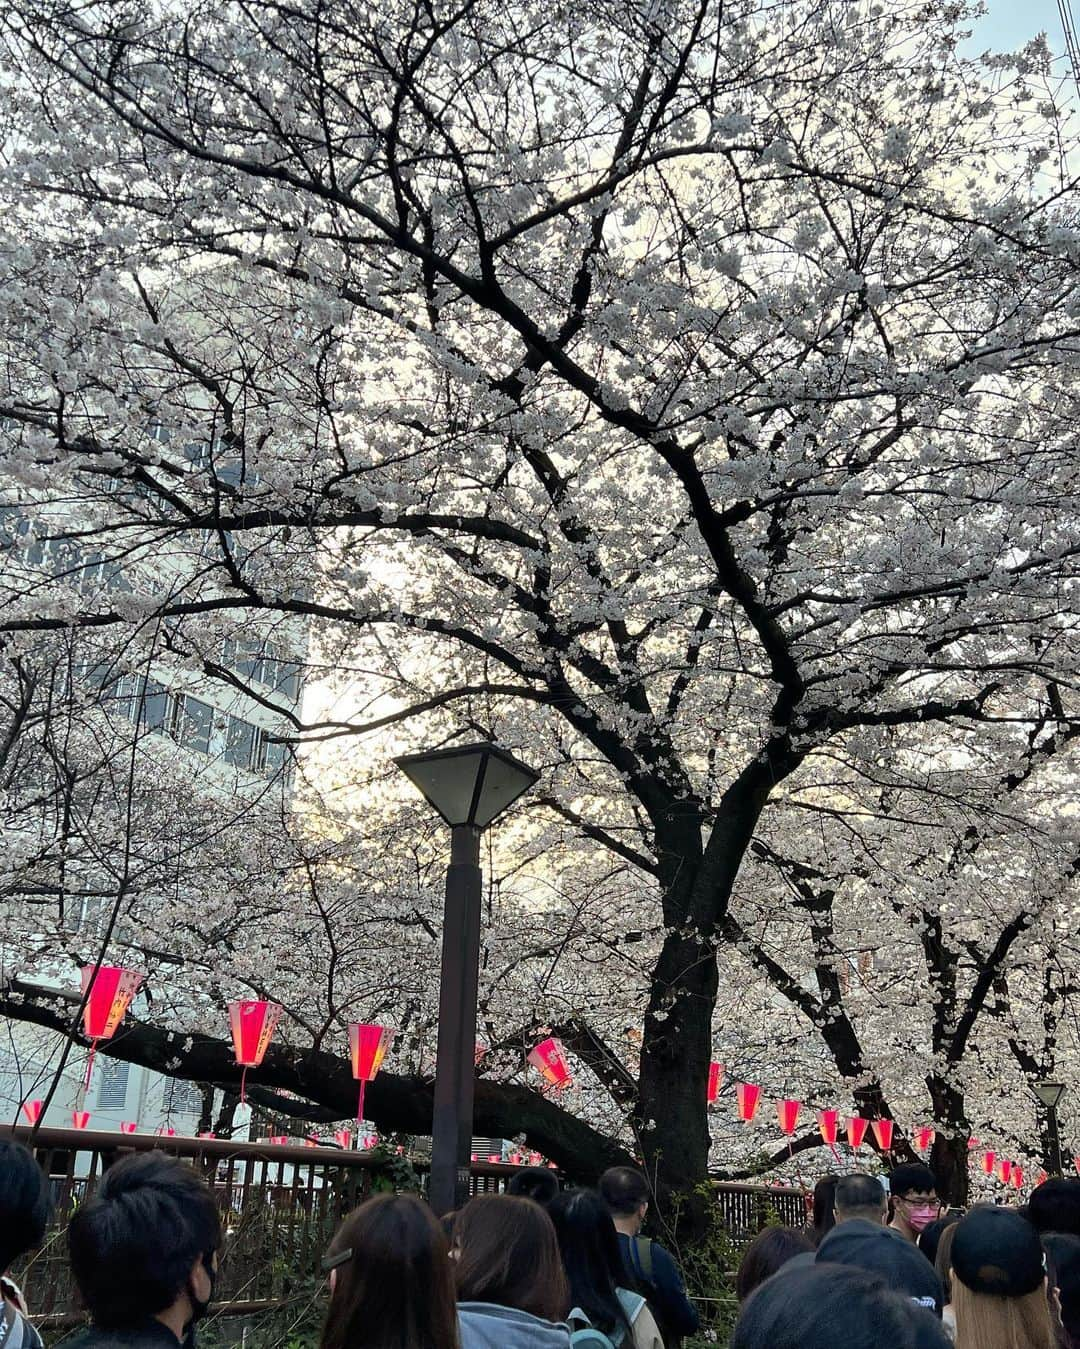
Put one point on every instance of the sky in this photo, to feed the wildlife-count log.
(1012, 22)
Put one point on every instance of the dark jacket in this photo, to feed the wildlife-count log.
(150, 1334)
(655, 1273)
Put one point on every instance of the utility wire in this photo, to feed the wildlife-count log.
(1072, 46)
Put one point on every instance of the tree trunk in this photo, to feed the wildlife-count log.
(949, 1154)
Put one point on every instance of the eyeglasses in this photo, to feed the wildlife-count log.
(336, 1259)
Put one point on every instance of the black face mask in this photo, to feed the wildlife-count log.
(199, 1307)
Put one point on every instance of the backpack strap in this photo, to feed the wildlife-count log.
(632, 1303)
(643, 1261)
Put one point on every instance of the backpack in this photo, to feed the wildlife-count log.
(587, 1336)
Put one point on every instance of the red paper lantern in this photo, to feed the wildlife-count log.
(716, 1081)
(924, 1137)
(1041, 1178)
(883, 1132)
(973, 1143)
(128, 1127)
(748, 1096)
(1004, 1170)
(1018, 1177)
(828, 1124)
(165, 1132)
(32, 1111)
(549, 1059)
(988, 1162)
(80, 1118)
(367, 1047)
(787, 1112)
(1076, 1163)
(343, 1138)
(856, 1131)
(252, 1026)
(110, 992)
(494, 1156)
(208, 1134)
(279, 1139)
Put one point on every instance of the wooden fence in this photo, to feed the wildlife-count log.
(280, 1205)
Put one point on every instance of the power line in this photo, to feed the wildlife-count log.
(1071, 44)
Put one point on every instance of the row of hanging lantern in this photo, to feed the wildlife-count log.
(788, 1111)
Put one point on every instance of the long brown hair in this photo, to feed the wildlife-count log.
(987, 1321)
(506, 1253)
(396, 1291)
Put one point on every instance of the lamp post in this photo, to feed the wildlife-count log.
(1050, 1093)
(469, 786)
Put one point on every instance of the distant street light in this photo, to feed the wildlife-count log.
(469, 786)
(1050, 1093)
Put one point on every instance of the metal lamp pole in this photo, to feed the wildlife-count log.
(469, 786)
(1050, 1093)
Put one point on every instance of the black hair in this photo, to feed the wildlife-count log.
(824, 1208)
(859, 1191)
(535, 1182)
(769, 1251)
(589, 1246)
(1063, 1253)
(814, 1307)
(1055, 1207)
(24, 1202)
(911, 1176)
(624, 1189)
(929, 1239)
(134, 1243)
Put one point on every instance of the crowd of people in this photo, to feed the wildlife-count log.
(545, 1268)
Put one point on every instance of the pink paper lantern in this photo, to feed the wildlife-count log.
(988, 1159)
(367, 1049)
(1018, 1177)
(716, 1081)
(924, 1138)
(108, 991)
(549, 1059)
(883, 1132)
(787, 1112)
(165, 1132)
(828, 1125)
(209, 1133)
(343, 1138)
(494, 1157)
(128, 1126)
(747, 1096)
(251, 1024)
(32, 1111)
(856, 1131)
(80, 1118)
(1004, 1170)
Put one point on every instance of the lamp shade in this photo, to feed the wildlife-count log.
(367, 1048)
(828, 1123)
(1004, 1170)
(1018, 1177)
(747, 1095)
(988, 1160)
(32, 1111)
(883, 1132)
(128, 1126)
(343, 1138)
(856, 1131)
(1042, 1178)
(1050, 1093)
(924, 1138)
(252, 1025)
(111, 994)
(549, 1059)
(468, 784)
(80, 1118)
(716, 1079)
(787, 1112)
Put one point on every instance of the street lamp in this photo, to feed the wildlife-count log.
(469, 786)
(1050, 1093)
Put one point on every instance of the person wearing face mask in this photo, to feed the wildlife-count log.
(913, 1187)
(144, 1252)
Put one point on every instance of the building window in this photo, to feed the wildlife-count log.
(182, 1098)
(112, 1084)
(239, 743)
(196, 724)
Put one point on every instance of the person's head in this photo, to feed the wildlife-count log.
(1055, 1207)
(589, 1246)
(768, 1252)
(534, 1182)
(869, 1246)
(824, 1209)
(393, 1285)
(145, 1244)
(506, 1252)
(822, 1306)
(930, 1237)
(24, 1202)
(1063, 1255)
(626, 1193)
(913, 1187)
(999, 1282)
(860, 1196)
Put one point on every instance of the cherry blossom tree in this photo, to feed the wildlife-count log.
(685, 395)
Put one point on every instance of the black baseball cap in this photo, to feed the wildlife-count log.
(872, 1247)
(996, 1251)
